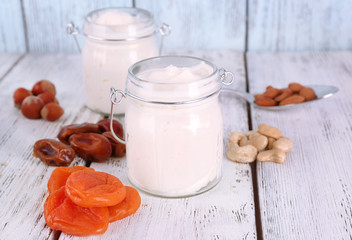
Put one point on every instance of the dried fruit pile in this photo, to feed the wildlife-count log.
(40, 102)
(83, 201)
(91, 141)
(295, 93)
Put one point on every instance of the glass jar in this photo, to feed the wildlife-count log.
(173, 125)
(115, 38)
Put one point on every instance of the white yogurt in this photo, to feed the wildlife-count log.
(115, 17)
(175, 150)
(105, 63)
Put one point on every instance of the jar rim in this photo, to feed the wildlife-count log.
(135, 65)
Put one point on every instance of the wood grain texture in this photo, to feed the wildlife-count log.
(300, 25)
(12, 35)
(201, 25)
(47, 20)
(309, 196)
(7, 61)
(23, 178)
(225, 212)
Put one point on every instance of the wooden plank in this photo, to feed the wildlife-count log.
(23, 178)
(206, 25)
(309, 196)
(7, 61)
(225, 212)
(299, 25)
(46, 22)
(12, 34)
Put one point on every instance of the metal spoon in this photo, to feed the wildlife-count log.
(322, 91)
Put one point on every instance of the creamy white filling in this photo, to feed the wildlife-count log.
(115, 17)
(173, 74)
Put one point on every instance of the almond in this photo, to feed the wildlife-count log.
(266, 102)
(258, 96)
(307, 93)
(271, 92)
(284, 94)
(295, 87)
(292, 99)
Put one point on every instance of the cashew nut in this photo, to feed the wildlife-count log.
(245, 154)
(273, 155)
(254, 134)
(270, 142)
(258, 141)
(244, 141)
(269, 131)
(235, 137)
(284, 144)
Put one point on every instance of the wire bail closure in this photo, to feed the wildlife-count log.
(73, 30)
(164, 31)
(226, 77)
(116, 97)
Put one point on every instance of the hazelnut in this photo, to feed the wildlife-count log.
(48, 98)
(44, 86)
(31, 107)
(51, 112)
(19, 95)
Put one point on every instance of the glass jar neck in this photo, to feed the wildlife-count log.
(172, 80)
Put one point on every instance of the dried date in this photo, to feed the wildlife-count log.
(53, 153)
(69, 130)
(91, 146)
(104, 126)
(118, 149)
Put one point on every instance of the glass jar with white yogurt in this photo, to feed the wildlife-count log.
(173, 125)
(115, 38)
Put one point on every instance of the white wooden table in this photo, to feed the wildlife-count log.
(307, 197)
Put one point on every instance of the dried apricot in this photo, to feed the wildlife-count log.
(94, 189)
(59, 176)
(127, 207)
(62, 214)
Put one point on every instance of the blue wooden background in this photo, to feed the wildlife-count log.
(253, 25)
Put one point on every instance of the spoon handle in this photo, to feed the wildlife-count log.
(249, 97)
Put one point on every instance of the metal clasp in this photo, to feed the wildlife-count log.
(226, 77)
(116, 97)
(73, 30)
(164, 31)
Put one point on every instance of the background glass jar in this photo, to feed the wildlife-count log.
(115, 38)
(174, 132)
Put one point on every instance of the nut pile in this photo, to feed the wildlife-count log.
(92, 142)
(40, 102)
(295, 93)
(266, 145)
